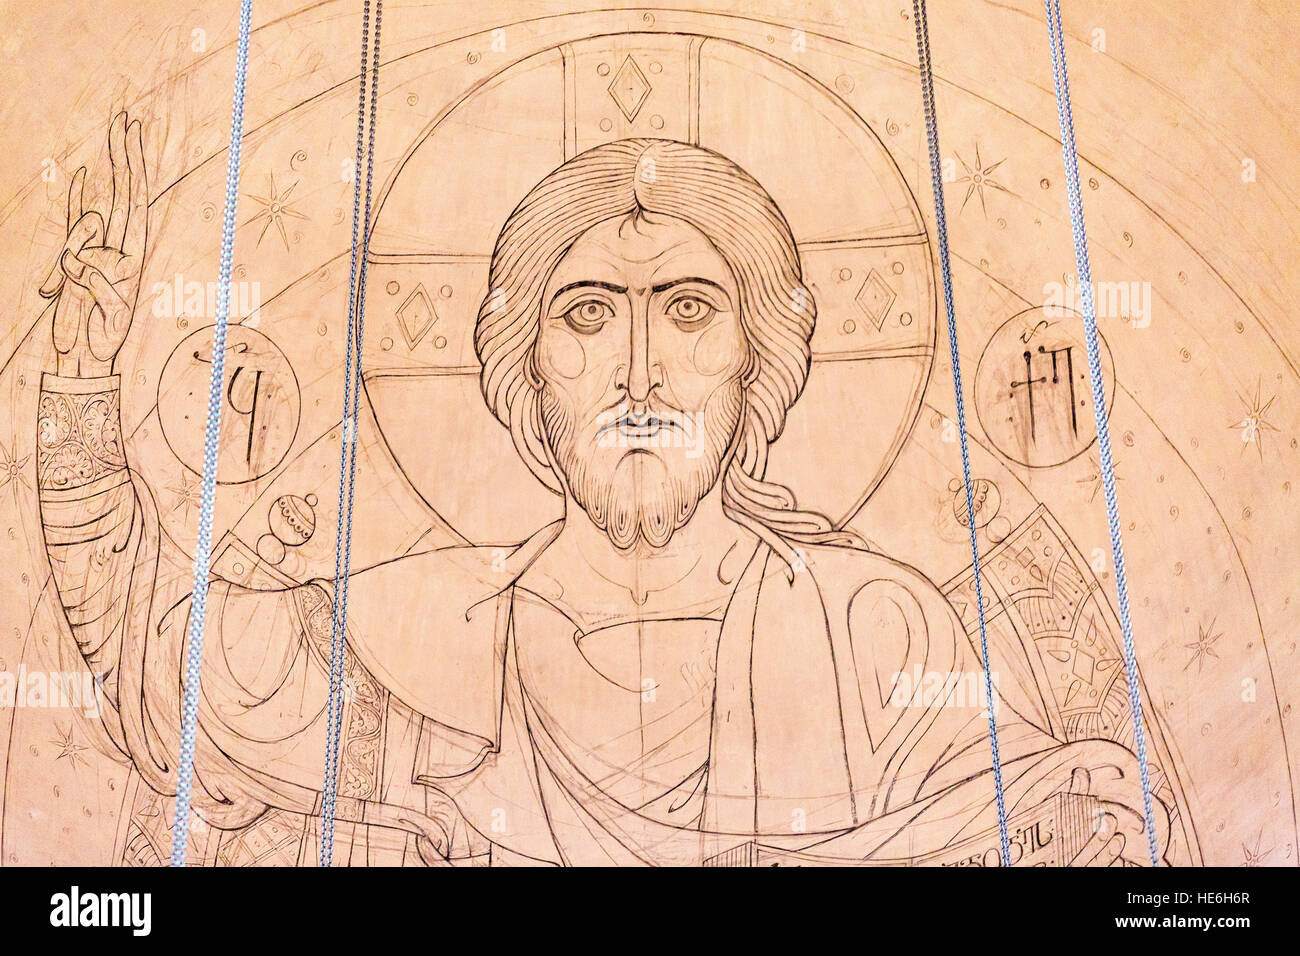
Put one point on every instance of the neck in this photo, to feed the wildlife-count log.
(698, 565)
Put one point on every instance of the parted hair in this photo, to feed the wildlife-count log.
(634, 177)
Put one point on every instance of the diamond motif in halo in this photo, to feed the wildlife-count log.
(416, 316)
(874, 299)
(629, 88)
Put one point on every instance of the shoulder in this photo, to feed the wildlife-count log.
(429, 627)
(463, 574)
(891, 613)
(850, 577)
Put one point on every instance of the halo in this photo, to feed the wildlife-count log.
(861, 240)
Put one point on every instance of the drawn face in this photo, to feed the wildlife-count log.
(641, 354)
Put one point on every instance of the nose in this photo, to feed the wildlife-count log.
(644, 373)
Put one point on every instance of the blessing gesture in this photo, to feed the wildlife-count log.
(96, 278)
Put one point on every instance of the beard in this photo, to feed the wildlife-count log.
(649, 491)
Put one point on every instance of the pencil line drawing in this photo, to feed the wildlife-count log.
(660, 553)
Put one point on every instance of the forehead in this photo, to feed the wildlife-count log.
(639, 252)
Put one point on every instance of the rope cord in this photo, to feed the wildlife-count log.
(941, 223)
(348, 425)
(351, 402)
(1071, 156)
(203, 546)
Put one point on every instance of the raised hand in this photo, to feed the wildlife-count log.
(96, 278)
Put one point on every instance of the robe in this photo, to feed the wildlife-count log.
(807, 745)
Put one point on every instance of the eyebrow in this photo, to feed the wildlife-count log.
(663, 286)
(591, 283)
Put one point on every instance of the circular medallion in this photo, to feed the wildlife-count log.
(260, 404)
(1033, 394)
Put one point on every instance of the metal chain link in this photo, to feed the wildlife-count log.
(348, 427)
(351, 399)
(1071, 156)
(211, 444)
(941, 224)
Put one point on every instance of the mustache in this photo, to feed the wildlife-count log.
(656, 415)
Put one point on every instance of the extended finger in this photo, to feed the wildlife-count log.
(137, 222)
(121, 182)
(76, 197)
(1080, 781)
(88, 230)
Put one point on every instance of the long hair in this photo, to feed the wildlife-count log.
(655, 176)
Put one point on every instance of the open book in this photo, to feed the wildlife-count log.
(1050, 834)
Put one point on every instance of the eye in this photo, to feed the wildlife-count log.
(588, 315)
(690, 312)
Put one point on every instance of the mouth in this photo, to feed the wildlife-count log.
(639, 427)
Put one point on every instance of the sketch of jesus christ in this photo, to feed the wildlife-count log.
(686, 668)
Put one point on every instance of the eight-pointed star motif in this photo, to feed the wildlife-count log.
(69, 749)
(1255, 422)
(1093, 480)
(187, 494)
(11, 468)
(275, 208)
(1203, 646)
(1254, 856)
(979, 177)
